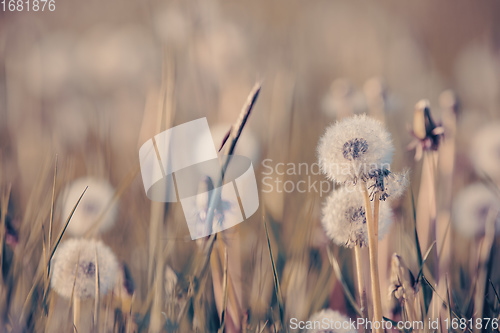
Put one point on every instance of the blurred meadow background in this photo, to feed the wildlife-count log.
(83, 87)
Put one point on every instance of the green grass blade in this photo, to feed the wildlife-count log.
(275, 273)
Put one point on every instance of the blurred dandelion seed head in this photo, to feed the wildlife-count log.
(397, 183)
(472, 208)
(92, 207)
(393, 185)
(74, 265)
(354, 148)
(331, 317)
(344, 218)
(485, 151)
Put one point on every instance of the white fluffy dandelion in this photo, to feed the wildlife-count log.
(329, 321)
(74, 268)
(396, 184)
(485, 151)
(355, 148)
(472, 208)
(392, 185)
(344, 218)
(96, 206)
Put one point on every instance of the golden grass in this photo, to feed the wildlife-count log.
(281, 246)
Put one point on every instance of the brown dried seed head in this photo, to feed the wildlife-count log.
(419, 119)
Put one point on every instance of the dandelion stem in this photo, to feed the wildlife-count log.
(361, 284)
(76, 313)
(372, 250)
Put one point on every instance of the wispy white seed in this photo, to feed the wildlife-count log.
(74, 267)
(96, 206)
(472, 209)
(354, 148)
(344, 218)
(329, 321)
(485, 151)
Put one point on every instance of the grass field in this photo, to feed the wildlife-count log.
(84, 86)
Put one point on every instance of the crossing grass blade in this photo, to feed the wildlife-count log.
(224, 293)
(275, 274)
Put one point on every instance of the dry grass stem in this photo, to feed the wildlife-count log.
(361, 283)
(372, 251)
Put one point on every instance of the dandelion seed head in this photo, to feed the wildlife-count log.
(91, 208)
(485, 151)
(397, 183)
(74, 264)
(472, 208)
(353, 148)
(392, 185)
(344, 218)
(331, 317)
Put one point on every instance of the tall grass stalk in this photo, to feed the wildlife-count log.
(361, 283)
(485, 248)
(97, 300)
(4, 204)
(231, 140)
(224, 293)
(165, 120)
(76, 313)
(449, 105)
(372, 250)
